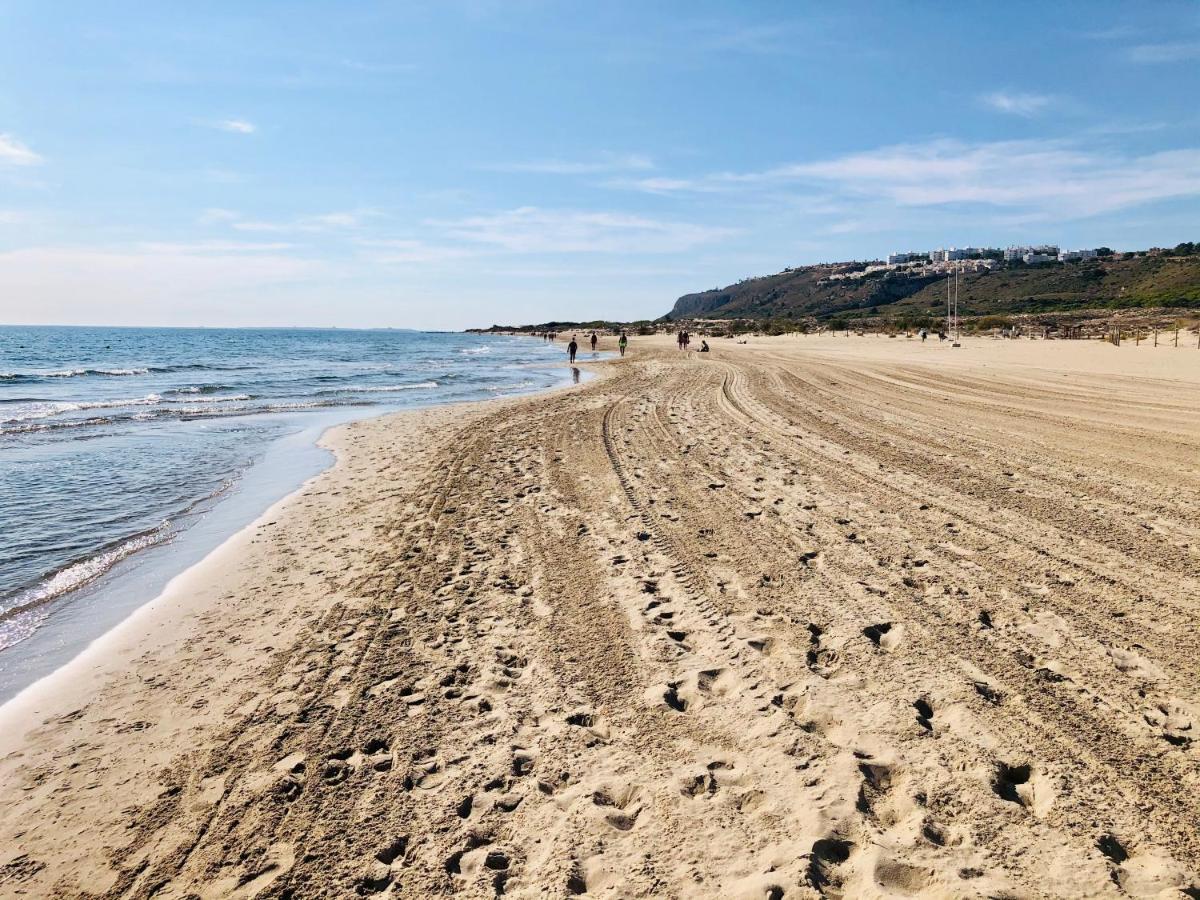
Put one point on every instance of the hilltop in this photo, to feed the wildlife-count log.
(1152, 278)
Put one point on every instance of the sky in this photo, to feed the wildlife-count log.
(460, 163)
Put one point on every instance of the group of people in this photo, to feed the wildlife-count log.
(573, 346)
(684, 340)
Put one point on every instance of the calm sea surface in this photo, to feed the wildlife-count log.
(112, 440)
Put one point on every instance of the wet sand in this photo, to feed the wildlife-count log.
(805, 617)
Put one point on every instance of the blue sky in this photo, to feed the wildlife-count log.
(449, 164)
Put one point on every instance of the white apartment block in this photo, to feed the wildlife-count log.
(1050, 250)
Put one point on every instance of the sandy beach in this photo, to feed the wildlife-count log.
(805, 617)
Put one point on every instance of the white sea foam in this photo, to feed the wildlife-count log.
(385, 388)
(68, 579)
(49, 409)
(230, 398)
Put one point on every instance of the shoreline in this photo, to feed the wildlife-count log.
(105, 653)
(86, 613)
(698, 626)
(111, 650)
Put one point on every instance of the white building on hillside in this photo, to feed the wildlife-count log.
(1067, 255)
(1013, 253)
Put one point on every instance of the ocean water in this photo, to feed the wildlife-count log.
(115, 441)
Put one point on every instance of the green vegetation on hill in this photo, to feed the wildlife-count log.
(1159, 278)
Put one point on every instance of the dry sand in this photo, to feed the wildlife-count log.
(809, 617)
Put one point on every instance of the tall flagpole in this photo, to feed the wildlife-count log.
(947, 303)
(956, 344)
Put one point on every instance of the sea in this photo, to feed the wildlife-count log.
(127, 454)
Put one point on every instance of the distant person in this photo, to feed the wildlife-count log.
(679, 338)
(924, 334)
(687, 339)
(703, 346)
(594, 342)
(622, 343)
(572, 348)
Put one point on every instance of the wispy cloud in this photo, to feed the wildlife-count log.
(759, 39)
(1053, 177)
(609, 162)
(209, 247)
(126, 283)
(533, 230)
(1035, 178)
(1017, 104)
(235, 126)
(665, 185)
(401, 250)
(331, 221)
(1150, 54)
(15, 153)
(1112, 33)
(375, 68)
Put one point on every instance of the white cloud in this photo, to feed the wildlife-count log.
(1032, 178)
(398, 251)
(760, 39)
(1017, 104)
(332, 221)
(213, 215)
(376, 68)
(609, 162)
(1048, 176)
(533, 230)
(665, 185)
(209, 247)
(127, 284)
(14, 153)
(1164, 53)
(1107, 34)
(236, 126)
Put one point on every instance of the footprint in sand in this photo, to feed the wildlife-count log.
(822, 659)
(887, 636)
(1176, 720)
(924, 709)
(901, 879)
(1025, 785)
(826, 859)
(620, 811)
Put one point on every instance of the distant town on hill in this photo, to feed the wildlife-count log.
(908, 289)
(992, 281)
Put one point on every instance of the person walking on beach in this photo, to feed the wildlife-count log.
(621, 344)
(593, 342)
(572, 348)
